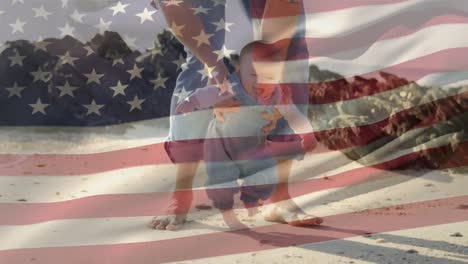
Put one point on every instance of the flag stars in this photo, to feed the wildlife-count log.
(103, 26)
(159, 82)
(223, 52)
(135, 103)
(41, 75)
(93, 108)
(94, 77)
(146, 15)
(222, 25)
(173, 2)
(179, 62)
(15, 90)
(177, 30)
(135, 72)
(203, 38)
(117, 61)
(200, 10)
(17, 1)
(16, 60)
(18, 26)
(67, 89)
(77, 16)
(207, 72)
(66, 30)
(119, 89)
(41, 12)
(89, 50)
(39, 107)
(41, 45)
(67, 59)
(119, 8)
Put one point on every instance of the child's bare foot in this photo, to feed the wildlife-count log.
(290, 213)
(252, 209)
(231, 220)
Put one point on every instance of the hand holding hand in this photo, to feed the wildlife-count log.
(230, 105)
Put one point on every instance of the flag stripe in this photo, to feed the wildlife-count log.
(384, 219)
(141, 204)
(88, 231)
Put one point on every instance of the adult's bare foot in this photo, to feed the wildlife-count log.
(290, 213)
(168, 222)
(176, 213)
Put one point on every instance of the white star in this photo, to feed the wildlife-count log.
(16, 60)
(223, 52)
(182, 95)
(207, 72)
(17, 1)
(130, 41)
(41, 75)
(66, 30)
(173, 2)
(177, 30)
(67, 89)
(226, 86)
(41, 12)
(93, 108)
(222, 25)
(39, 107)
(77, 17)
(203, 38)
(18, 26)
(15, 90)
(89, 50)
(118, 8)
(200, 9)
(145, 15)
(93, 77)
(119, 89)
(159, 82)
(103, 26)
(41, 45)
(136, 103)
(135, 72)
(179, 62)
(67, 59)
(64, 3)
(117, 61)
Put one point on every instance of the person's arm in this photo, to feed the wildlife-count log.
(299, 123)
(202, 98)
(189, 29)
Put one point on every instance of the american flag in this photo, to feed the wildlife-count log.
(82, 163)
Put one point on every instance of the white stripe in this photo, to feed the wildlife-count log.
(345, 22)
(401, 189)
(379, 55)
(34, 140)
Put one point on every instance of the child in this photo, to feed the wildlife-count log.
(236, 146)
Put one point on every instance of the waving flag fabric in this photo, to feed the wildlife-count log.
(85, 90)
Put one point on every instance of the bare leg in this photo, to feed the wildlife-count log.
(181, 201)
(285, 209)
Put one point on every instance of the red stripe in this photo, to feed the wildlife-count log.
(386, 219)
(149, 204)
(283, 8)
(335, 139)
(392, 28)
